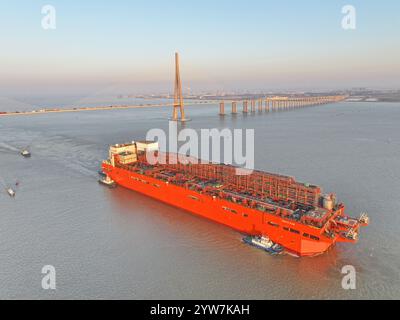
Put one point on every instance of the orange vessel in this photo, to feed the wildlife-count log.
(295, 215)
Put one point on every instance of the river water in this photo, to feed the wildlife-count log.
(121, 245)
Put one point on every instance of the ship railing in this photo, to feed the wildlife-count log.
(346, 221)
(364, 219)
(329, 234)
(273, 207)
(351, 235)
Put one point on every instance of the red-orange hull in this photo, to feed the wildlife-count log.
(303, 240)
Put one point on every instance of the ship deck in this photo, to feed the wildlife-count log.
(300, 212)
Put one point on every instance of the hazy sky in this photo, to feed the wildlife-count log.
(128, 46)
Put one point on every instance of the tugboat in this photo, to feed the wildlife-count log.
(108, 182)
(276, 249)
(10, 192)
(264, 243)
(25, 153)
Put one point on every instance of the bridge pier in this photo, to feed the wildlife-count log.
(245, 106)
(276, 104)
(253, 106)
(222, 109)
(234, 107)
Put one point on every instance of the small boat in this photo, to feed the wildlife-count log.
(25, 153)
(275, 249)
(265, 244)
(108, 182)
(10, 192)
(259, 242)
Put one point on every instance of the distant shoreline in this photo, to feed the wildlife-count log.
(81, 109)
(158, 105)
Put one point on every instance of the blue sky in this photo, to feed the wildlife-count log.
(224, 45)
